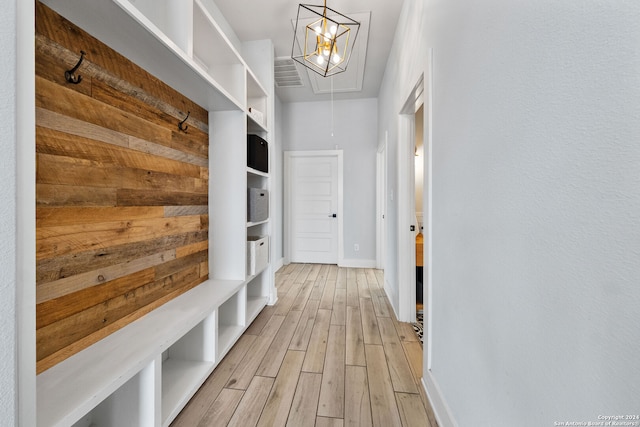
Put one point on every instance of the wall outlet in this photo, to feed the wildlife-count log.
(356, 247)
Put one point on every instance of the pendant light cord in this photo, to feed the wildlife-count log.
(332, 106)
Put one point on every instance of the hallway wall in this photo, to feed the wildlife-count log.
(535, 199)
(307, 126)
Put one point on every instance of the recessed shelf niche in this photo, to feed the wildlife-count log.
(184, 365)
(130, 405)
(231, 321)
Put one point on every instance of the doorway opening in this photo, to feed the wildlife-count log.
(409, 226)
(418, 206)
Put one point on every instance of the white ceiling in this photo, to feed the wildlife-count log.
(272, 19)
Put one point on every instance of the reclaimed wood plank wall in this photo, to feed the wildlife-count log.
(121, 192)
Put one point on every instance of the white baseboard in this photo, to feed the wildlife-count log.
(358, 263)
(440, 408)
(278, 264)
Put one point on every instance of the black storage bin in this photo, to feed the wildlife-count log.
(257, 153)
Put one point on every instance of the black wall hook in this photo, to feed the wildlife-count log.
(181, 124)
(69, 74)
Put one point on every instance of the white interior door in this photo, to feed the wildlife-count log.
(314, 200)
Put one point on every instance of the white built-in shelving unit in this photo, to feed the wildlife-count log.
(145, 373)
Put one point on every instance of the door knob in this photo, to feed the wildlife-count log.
(333, 215)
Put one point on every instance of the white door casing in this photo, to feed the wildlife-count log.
(313, 198)
(381, 204)
(406, 205)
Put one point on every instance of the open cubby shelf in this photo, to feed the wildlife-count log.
(147, 371)
(180, 337)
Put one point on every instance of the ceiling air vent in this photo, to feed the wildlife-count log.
(286, 73)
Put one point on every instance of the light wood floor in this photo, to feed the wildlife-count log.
(329, 353)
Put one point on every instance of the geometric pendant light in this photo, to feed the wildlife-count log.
(323, 39)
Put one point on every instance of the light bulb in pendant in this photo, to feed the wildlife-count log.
(333, 29)
(320, 60)
(318, 30)
(335, 58)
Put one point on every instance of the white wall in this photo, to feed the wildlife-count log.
(307, 126)
(8, 320)
(536, 206)
(17, 215)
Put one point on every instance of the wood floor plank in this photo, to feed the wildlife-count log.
(331, 402)
(302, 296)
(379, 277)
(314, 273)
(357, 406)
(405, 331)
(384, 409)
(222, 409)
(278, 348)
(352, 289)
(290, 278)
(302, 335)
(305, 400)
(241, 377)
(285, 301)
(380, 306)
(314, 359)
(329, 422)
(355, 339)
(338, 317)
(300, 301)
(326, 303)
(276, 410)
(412, 411)
(413, 351)
(333, 272)
(252, 403)
(324, 273)
(319, 284)
(341, 280)
(363, 284)
(376, 287)
(369, 322)
(260, 321)
(399, 370)
(287, 297)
